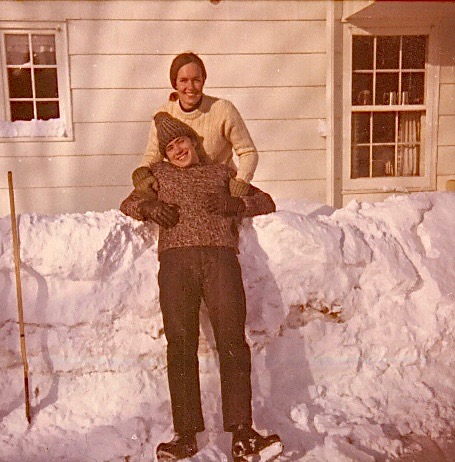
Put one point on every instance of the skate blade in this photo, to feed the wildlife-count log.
(266, 455)
(163, 456)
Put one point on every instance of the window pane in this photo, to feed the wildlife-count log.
(414, 84)
(360, 162)
(17, 49)
(414, 52)
(388, 52)
(383, 161)
(20, 83)
(385, 85)
(43, 47)
(362, 89)
(409, 137)
(21, 111)
(362, 53)
(48, 110)
(361, 128)
(384, 127)
(46, 83)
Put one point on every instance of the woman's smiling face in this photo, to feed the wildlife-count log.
(189, 85)
(181, 152)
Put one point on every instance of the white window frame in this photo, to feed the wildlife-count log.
(427, 180)
(59, 30)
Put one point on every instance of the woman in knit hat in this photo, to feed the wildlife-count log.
(216, 121)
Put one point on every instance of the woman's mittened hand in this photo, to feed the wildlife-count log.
(238, 187)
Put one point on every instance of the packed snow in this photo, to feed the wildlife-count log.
(351, 325)
(33, 128)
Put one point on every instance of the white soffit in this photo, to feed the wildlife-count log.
(355, 10)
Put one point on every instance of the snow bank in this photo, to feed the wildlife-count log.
(350, 322)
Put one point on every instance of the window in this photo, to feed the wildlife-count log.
(35, 83)
(390, 111)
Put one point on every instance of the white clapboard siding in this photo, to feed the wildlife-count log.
(90, 139)
(106, 138)
(64, 200)
(286, 135)
(69, 171)
(294, 165)
(130, 105)
(164, 10)
(267, 57)
(84, 171)
(441, 184)
(445, 166)
(446, 160)
(313, 190)
(152, 71)
(204, 37)
(122, 105)
(447, 99)
(446, 130)
(448, 73)
(80, 199)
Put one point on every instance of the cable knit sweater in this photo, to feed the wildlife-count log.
(188, 188)
(221, 129)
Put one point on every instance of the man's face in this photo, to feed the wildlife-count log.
(181, 152)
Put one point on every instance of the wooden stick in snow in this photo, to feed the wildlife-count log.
(17, 264)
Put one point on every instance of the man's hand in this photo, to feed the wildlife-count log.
(225, 205)
(166, 215)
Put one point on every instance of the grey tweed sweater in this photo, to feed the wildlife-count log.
(189, 188)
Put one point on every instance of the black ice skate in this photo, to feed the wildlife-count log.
(249, 446)
(180, 447)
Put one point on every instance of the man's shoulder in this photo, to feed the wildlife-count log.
(161, 167)
(220, 169)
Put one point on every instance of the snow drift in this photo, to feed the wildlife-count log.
(350, 322)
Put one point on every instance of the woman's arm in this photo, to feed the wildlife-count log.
(238, 135)
(152, 153)
(257, 202)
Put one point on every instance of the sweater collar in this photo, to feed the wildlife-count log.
(191, 114)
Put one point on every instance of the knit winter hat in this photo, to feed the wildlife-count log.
(180, 61)
(169, 128)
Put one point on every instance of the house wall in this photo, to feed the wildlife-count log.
(267, 57)
(446, 133)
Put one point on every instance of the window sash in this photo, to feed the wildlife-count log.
(49, 103)
(426, 180)
(384, 76)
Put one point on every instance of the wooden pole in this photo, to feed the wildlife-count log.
(17, 264)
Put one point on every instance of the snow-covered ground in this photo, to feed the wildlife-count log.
(351, 324)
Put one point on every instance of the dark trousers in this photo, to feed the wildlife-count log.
(186, 276)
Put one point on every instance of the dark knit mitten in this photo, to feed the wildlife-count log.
(143, 180)
(166, 215)
(238, 187)
(225, 205)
